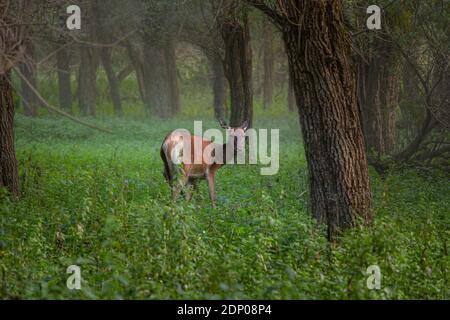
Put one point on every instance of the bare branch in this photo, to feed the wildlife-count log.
(48, 106)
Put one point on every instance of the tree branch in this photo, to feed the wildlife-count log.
(433, 154)
(270, 12)
(48, 106)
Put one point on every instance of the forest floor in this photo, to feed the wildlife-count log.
(100, 201)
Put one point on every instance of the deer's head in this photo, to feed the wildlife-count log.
(236, 133)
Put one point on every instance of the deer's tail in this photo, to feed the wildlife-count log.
(167, 174)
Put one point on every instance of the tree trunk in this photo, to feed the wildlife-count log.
(378, 83)
(390, 103)
(105, 57)
(411, 105)
(103, 35)
(28, 69)
(86, 81)
(172, 73)
(156, 80)
(64, 84)
(125, 72)
(269, 66)
(318, 48)
(219, 88)
(291, 95)
(370, 102)
(238, 65)
(9, 176)
(137, 60)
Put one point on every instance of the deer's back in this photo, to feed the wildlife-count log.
(174, 147)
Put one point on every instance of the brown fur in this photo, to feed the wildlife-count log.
(190, 173)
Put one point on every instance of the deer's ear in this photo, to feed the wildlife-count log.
(223, 124)
(244, 126)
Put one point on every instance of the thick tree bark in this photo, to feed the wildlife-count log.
(172, 73)
(64, 84)
(318, 48)
(105, 57)
(28, 69)
(238, 65)
(269, 66)
(9, 176)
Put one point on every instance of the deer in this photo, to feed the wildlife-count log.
(183, 173)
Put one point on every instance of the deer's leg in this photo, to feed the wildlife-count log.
(179, 186)
(188, 190)
(195, 184)
(191, 186)
(212, 192)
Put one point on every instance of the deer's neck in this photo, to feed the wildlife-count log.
(229, 150)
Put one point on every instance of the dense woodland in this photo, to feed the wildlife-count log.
(364, 120)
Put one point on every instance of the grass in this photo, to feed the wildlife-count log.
(100, 201)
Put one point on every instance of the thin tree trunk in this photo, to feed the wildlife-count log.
(103, 35)
(238, 66)
(378, 94)
(269, 66)
(87, 81)
(64, 84)
(171, 62)
(28, 69)
(9, 176)
(411, 106)
(390, 103)
(138, 62)
(371, 111)
(319, 58)
(125, 72)
(219, 88)
(105, 57)
(156, 80)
